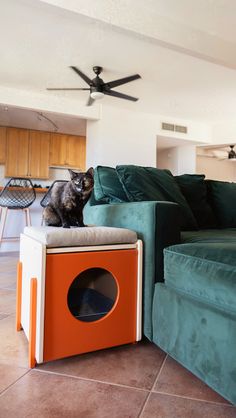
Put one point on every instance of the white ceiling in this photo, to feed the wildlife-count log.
(42, 121)
(39, 41)
(165, 142)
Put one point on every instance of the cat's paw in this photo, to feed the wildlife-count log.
(65, 225)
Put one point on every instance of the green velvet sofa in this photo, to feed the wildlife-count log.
(188, 227)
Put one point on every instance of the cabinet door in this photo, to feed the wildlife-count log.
(17, 153)
(39, 154)
(58, 149)
(3, 134)
(76, 152)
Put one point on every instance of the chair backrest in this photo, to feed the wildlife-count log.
(46, 198)
(18, 193)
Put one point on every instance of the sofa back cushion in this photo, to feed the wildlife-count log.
(149, 183)
(107, 186)
(223, 199)
(194, 189)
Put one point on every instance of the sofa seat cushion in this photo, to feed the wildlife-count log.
(206, 271)
(209, 235)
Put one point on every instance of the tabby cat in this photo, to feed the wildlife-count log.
(67, 200)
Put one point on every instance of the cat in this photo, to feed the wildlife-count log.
(67, 200)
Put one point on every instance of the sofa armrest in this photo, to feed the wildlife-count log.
(157, 225)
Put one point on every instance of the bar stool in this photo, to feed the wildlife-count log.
(46, 198)
(18, 194)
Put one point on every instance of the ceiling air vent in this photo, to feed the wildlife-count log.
(168, 126)
(182, 129)
(174, 128)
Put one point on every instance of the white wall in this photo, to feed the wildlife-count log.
(215, 169)
(121, 137)
(179, 160)
(129, 137)
(224, 133)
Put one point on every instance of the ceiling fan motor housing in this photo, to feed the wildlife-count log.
(232, 153)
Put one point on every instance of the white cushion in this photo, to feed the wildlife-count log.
(53, 236)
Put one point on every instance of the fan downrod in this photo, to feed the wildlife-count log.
(97, 69)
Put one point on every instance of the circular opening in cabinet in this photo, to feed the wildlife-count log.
(92, 294)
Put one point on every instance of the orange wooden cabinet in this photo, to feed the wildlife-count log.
(68, 151)
(27, 153)
(3, 135)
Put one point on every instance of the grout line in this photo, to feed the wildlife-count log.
(7, 313)
(195, 399)
(154, 383)
(89, 380)
(12, 384)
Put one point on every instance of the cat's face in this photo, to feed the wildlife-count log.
(82, 182)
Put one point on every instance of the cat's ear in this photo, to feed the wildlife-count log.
(90, 171)
(72, 174)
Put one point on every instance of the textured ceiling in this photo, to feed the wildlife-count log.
(38, 43)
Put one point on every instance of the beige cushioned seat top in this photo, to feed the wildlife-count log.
(89, 236)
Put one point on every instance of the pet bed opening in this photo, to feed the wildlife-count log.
(92, 294)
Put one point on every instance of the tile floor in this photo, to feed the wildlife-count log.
(133, 381)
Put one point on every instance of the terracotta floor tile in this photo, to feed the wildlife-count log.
(7, 301)
(8, 272)
(3, 316)
(164, 406)
(13, 345)
(9, 374)
(176, 380)
(8, 281)
(43, 395)
(133, 365)
(10, 254)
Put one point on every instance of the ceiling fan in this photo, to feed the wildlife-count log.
(231, 153)
(98, 88)
(223, 153)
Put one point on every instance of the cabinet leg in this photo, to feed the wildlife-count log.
(33, 319)
(18, 296)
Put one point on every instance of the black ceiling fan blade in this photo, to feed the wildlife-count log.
(69, 88)
(82, 75)
(121, 81)
(120, 95)
(90, 101)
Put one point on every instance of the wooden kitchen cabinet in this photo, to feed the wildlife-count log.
(68, 151)
(27, 153)
(39, 154)
(3, 134)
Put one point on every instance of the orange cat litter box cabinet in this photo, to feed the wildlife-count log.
(78, 290)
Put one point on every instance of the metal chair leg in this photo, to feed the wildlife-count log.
(3, 222)
(27, 217)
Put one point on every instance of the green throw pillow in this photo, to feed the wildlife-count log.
(149, 183)
(107, 186)
(223, 201)
(194, 189)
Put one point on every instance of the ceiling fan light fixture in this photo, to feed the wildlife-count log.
(97, 95)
